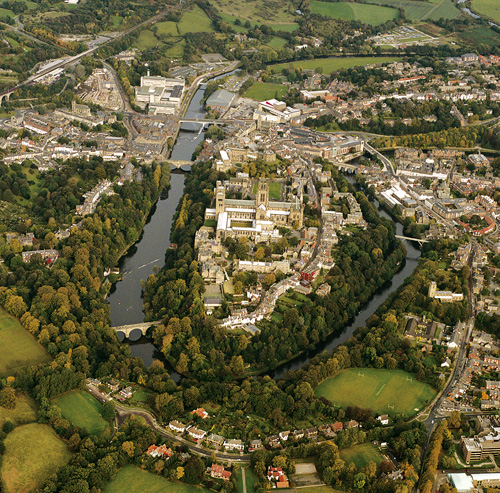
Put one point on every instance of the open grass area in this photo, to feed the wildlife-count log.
(117, 20)
(251, 479)
(195, 21)
(488, 8)
(146, 40)
(140, 395)
(277, 43)
(258, 11)
(274, 190)
(133, 479)
(369, 14)
(361, 455)
(19, 347)
(262, 91)
(319, 489)
(416, 10)
(479, 35)
(329, 65)
(24, 412)
(83, 410)
(383, 391)
(168, 28)
(6, 13)
(32, 453)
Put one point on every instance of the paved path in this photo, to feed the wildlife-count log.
(243, 478)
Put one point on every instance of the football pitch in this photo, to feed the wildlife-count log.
(383, 391)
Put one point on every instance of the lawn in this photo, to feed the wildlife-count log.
(329, 65)
(262, 91)
(24, 412)
(274, 190)
(133, 479)
(383, 391)
(140, 395)
(277, 43)
(19, 347)
(250, 480)
(488, 8)
(369, 14)
(361, 455)
(195, 21)
(83, 410)
(32, 453)
(430, 361)
(168, 28)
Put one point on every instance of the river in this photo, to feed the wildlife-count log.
(126, 300)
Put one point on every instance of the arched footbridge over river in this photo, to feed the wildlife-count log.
(134, 331)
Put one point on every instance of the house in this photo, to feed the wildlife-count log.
(127, 392)
(176, 426)
(196, 434)
(298, 434)
(255, 445)
(277, 476)
(284, 435)
(219, 472)
(384, 419)
(273, 441)
(311, 432)
(201, 413)
(161, 451)
(234, 444)
(351, 424)
(336, 427)
(215, 440)
(114, 385)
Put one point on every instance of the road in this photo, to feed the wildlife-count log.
(123, 412)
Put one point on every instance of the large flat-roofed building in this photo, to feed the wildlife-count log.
(220, 100)
(258, 219)
(162, 95)
(481, 446)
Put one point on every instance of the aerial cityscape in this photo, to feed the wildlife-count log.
(250, 245)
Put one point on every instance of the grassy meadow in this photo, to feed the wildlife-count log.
(361, 455)
(24, 412)
(19, 347)
(383, 391)
(366, 13)
(262, 91)
(82, 410)
(133, 479)
(32, 453)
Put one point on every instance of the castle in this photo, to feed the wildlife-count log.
(257, 219)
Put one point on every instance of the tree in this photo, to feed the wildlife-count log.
(179, 472)
(259, 254)
(129, 448)
(8, 398)
(108, 411)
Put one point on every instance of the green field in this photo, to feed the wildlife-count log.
(7, 13)
(32, 453)
(257, 11)
(377, 390)
(83, 410)
(361, 455)
(19, 347)
(488, 8)
(479, 35)
(195, 21)
(24, 412)
(133, 479)
(329, 65)
(262, 91)
(277, 43)
(168, 28)
(146, 40)
(274, 190)
(416, 10)
(369, 14)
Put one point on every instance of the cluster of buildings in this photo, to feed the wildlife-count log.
(100, 88)
(160, 95)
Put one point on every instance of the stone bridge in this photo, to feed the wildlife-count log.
(5, 95)
(127, 330)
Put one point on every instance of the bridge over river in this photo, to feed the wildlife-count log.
(134, 331)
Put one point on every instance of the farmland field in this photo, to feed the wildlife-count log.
(258, 11)
(369, 14)
(261, 91)
(83, 410)
(383, 391)
(479, 35)
(417, 10)
(32, 453)
(133, 479)
(488, 8)
(19, 347)
(361, 455)
(146, 40)
(330, 65)
(168, 28)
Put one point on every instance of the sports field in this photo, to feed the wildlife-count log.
(83, 410)
(488, 8)
(329, 65)
(19, 347)
(32, 453)
(368, 14)
(383, 391)
(361, 455)
(262, 91)
(133, 479)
